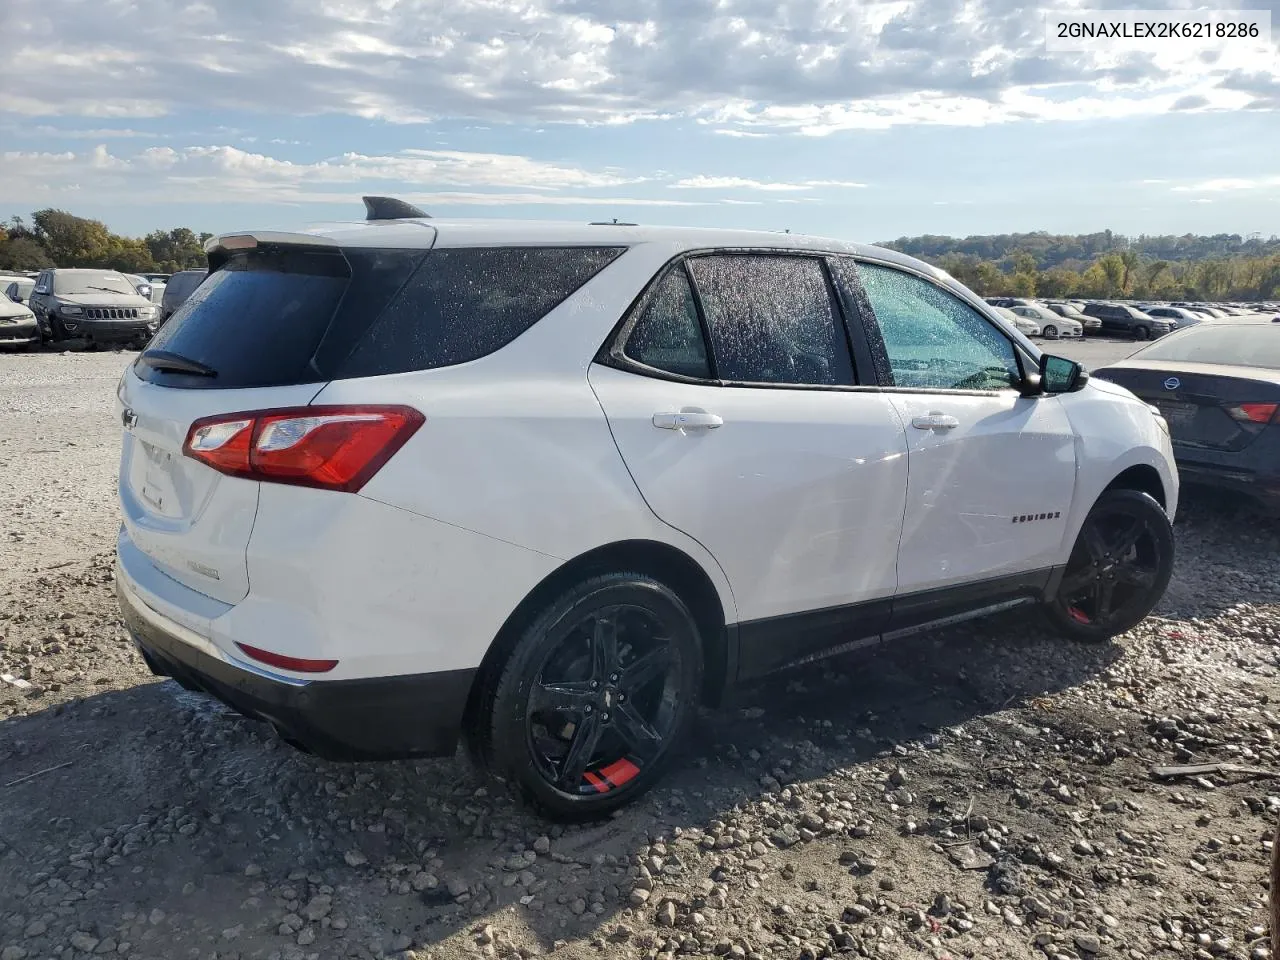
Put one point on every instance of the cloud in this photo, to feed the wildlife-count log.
(746, 67)
(1229, 184)
(195, 173)
(743, 183)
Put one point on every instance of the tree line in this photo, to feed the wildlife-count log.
(55, 238)
(1107, 265)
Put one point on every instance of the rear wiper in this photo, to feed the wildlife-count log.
(176, 363)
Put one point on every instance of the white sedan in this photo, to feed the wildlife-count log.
(1052, 326)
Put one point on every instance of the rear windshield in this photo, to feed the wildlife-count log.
(280, 316)
(72, 282)
(181, 284)
(1244, 345)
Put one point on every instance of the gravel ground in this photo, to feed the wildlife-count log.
(979, 792)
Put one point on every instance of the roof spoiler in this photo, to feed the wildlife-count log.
(389, 208)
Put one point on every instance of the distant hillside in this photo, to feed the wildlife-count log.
(1061, 250)
(1106, 264)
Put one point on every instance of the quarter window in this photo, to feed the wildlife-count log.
(667, 335)
(772, 320)
(934, 339)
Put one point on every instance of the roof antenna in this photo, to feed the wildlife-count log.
(389, 208)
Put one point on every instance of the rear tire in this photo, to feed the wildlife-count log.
(596, 697)
(1118, 570)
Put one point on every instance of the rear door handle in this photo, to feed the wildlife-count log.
(935, 421)
(686, 421)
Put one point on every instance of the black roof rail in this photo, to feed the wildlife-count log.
(615, 222)
(389, 208)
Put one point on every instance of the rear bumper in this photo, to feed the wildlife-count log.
(382, 718)
(1240, 479)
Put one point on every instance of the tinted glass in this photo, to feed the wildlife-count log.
(75, 282)
(667, 334)
(1242, 345)
(181, 284)
(772, 320)
(935, 340)
(465, 303)
(256, 321)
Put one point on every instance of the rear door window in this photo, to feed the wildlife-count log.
(772, 320)
(667, 334)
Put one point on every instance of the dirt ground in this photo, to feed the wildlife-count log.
(980, 792)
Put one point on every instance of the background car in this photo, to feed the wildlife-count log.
(1218, 387)
(17, 289)
(1179, 316)
(1052, 325)
(1023, 325)
(179, 287)
(1072, 312)
(17, 324)
(141, 284)
(100, 306)
(1123, 320)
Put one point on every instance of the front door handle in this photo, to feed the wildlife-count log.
(687, 421)
(935, 421)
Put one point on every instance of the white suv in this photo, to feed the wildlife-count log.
(550, 486)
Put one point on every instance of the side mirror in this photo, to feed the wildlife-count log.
(1060, 375)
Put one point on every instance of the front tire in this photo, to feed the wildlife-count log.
(1141, 333)
(1118, 570)
(596, 697)
(1051, 332)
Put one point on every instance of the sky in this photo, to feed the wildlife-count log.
(861, 121)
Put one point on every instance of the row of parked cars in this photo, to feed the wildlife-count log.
(1141, 321)
(97, 307)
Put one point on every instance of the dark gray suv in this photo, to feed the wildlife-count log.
(1121, 320)
(100, 306)
(180, 286)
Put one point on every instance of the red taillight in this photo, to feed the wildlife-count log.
(296, 664)
(333, 447)
(1253, 412)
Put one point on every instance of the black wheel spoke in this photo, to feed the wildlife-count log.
(1136, 576)
(636, 731)
(582, 748)
(1093, 540)
(1130, 538)
(646, 668)
(566, 697)
(1074, 583)
(1102, 599)
(604, 647)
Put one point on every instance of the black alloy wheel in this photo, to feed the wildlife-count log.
(1141, 333)
(596, 696)
(1119, 567)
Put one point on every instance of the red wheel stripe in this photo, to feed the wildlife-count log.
(620, 772)
(600, 785)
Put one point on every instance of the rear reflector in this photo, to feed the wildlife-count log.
(295, 664)
(1253, 412)
(331, 447)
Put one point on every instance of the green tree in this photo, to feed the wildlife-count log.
(1114, 271)
(23, 253)
(72, 241)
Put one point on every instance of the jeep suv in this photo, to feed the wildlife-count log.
(100, 306)
(546, 487)
(1122, 320)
